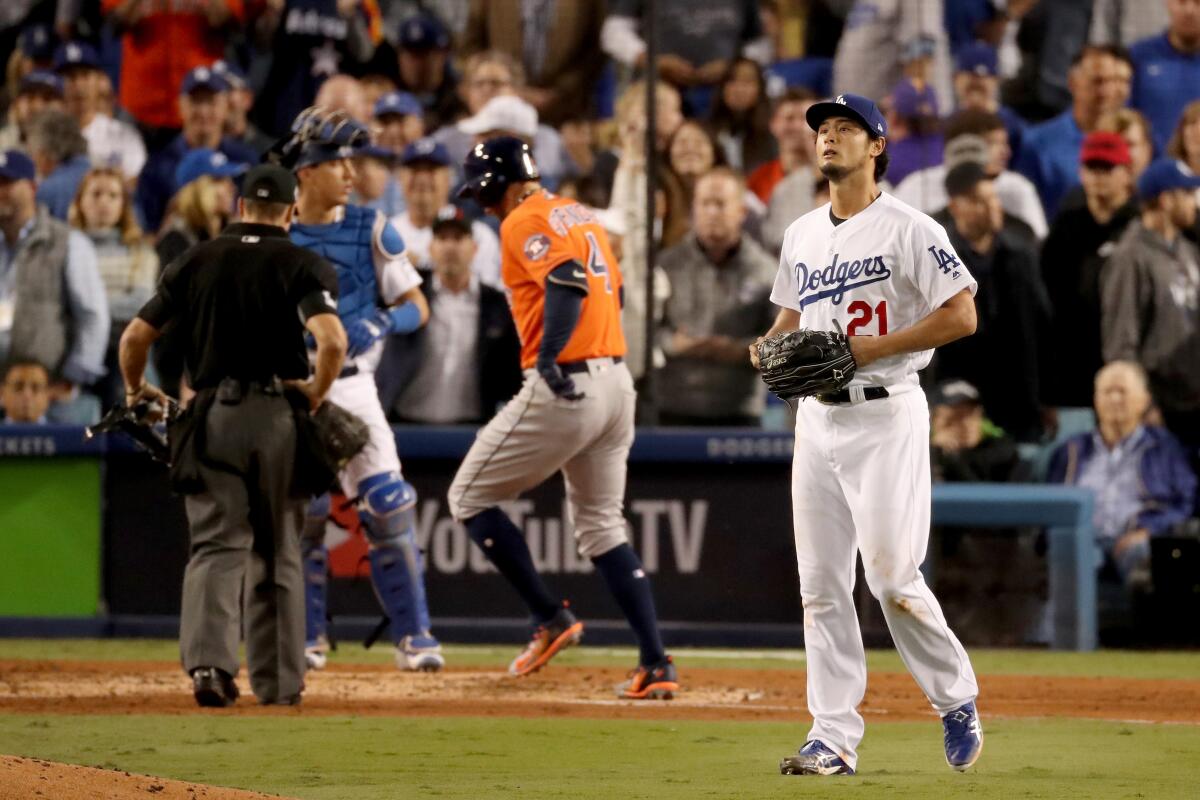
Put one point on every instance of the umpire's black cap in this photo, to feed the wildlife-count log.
(269, 183)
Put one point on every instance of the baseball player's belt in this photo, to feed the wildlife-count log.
(348, 372)
(836, 398)
(576, 367)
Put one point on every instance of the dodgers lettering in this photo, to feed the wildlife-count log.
(838, 278)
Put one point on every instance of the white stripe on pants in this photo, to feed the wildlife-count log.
(860, 481)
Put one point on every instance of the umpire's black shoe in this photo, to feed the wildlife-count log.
(213, 687)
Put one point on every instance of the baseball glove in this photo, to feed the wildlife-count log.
(805, 363)
(341, 433)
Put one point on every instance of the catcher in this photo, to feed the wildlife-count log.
(243, 301)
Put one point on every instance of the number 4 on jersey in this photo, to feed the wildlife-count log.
(945, 261)
(596, 263)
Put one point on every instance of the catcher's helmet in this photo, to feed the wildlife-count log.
(492, 166)
(319, 135)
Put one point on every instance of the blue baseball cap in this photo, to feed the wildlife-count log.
(921, 46)
(853, 106)
(978, 58)
(75, 54)
(16, 166)
(230, 74)
(38, 41)
(909, 102)
(203, 161)
(425, 151)
(453, 217)
(377, 151)
(41, 81)
(423, 32)
(401, 103)
(1163, 175)
(203, 78)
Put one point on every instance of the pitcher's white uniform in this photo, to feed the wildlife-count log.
(860, 475)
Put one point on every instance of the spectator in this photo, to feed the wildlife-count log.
(1139, 474)
(423, 69)
(878, 33)
(399, 121)
(103, 210)
(162, 43)
(965, 132)
(630, 112)
(741, 116)
(1100, 83)
(693, 152)
(1166, 70)
(786, 183)
(39, 91)
(59, 152)
(376, 86)
(487, 77)
(50, 293)
(1048, 37)
(465, 362)
(241, 100)
(1080, 241)
(914, 139)
(308, 43)
(1134, 128)
(558, 44)
(966, 446)
(1185, 141)
(24, 394)
(977, 88)
(1150, 297)
(579, 147)
(344, 93)
(1123, 22)
(720, 302)
(425, 179)
(88, 90)
(375, 185)
(697, 40)
(204, 107)
(1002, 358)
(34, 52)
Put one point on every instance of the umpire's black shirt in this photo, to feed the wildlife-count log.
(241, 301)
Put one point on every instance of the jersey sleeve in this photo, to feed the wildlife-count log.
(168, 297)
(784, 292)
(316, 289)
(937, 271)
(394, 270)
(537, 248)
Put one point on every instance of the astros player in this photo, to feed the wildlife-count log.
(379, 295)
(574, 413)
(887, 276)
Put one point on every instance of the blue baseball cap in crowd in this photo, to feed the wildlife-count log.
(16, 166)
(425, 151)
(978, 58)
(854, 106)
(70, 55)
(230, 74)
(400, 103)
(41, 81)
(1163, 175)
(203, 78)
(203, 161)
(423, 32)
(377, 151)
(910, 102)
(920, 46)
(38, 42)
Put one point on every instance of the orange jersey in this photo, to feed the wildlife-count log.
(542, 233)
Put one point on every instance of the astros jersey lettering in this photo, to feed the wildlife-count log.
(883, 270)
(539, 235)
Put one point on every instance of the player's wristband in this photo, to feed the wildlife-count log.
(405, 318)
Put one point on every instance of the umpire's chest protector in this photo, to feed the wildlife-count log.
(348, 246)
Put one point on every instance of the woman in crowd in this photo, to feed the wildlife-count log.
(103, 209)
(741, 116)
(1185, 146)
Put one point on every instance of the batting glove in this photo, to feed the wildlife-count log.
(561, 384)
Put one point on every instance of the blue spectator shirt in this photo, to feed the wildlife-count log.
(156, 184)
(1050, 158)
(1164, 81)
(1113, 476)
(57, 191)
(86, 302)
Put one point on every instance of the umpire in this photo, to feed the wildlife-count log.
(243, 301)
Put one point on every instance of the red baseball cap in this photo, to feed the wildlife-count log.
(1105, 148)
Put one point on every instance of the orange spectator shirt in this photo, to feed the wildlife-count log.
(543, 232)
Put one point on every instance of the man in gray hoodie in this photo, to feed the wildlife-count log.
(1150, 297)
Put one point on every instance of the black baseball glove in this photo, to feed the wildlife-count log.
(805, 363)
(138, 424)
(342, 434)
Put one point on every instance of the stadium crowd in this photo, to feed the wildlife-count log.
(1057, 142)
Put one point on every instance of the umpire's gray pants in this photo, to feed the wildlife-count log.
(537, 434)
(245, 546)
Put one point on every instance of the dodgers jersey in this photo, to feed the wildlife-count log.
(884, 269)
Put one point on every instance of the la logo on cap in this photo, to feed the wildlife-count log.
(263, 192)
(841, 98)
(218, 159)
(73, 52)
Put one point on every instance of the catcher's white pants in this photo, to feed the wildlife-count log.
(358, 395)
(860, 482)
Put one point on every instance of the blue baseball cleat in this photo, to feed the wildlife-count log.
(964, 737)
(815, 758)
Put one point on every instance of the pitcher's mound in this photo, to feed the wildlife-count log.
(35, 779)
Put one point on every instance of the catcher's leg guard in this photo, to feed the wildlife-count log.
(388, 513)
(316, 570)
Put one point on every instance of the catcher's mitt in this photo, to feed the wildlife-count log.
(341, 433)
(805, 363)
(136, 424)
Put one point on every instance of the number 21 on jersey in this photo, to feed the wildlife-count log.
(864, 315)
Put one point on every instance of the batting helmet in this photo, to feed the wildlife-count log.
(319, 135)
(492, 166)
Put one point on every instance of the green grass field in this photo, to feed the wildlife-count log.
(361, 758)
